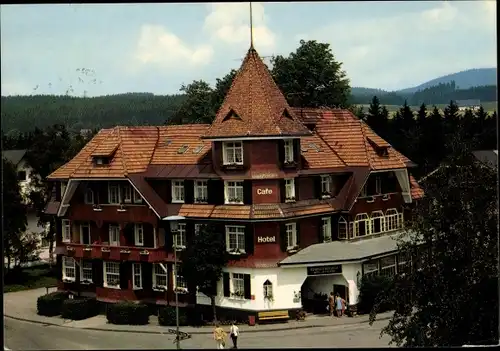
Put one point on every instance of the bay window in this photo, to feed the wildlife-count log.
(377, 222)
(233, 192)
(392, 219)
(232, 153)
(361, 225)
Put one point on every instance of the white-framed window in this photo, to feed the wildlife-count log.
(86, 271)
(137, 275)
(268, 289)
(326, 181)
(289, 150)
(179, 281)
(127, 194)
(378, 185)
(111, 274)
(391, 219)
(139, 234)
(200, 191)
(178, 191)
(113, 194)
(63, 188)
(291, 235)
(361, 225)
(66, 231)
(159, 277)
(197, 228)
(370, 268)
(238, 284)
(233, 192)
(235, 238)
(89, 196)
(69, 268)
(290, 189)
(364, 191)
(114, 235)
(179, 236)
(85, 233)
(232, 153)
(378, 222)
(342, 228)
(137, 197)
(388, 266)
(326, 229)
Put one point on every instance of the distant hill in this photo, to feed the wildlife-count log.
(463, 80)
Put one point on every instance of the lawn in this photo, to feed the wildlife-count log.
(29, 278)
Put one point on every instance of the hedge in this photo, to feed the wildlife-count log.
(372, 290)
(78, 309)
(166, 316)
(51, 304)
(128, 313)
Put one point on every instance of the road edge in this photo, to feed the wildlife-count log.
(207, 332)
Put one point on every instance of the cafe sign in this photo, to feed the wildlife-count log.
(265, 191)
(324, 270)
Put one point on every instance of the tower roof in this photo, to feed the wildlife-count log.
(254, 106)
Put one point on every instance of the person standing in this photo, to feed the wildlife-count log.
(338, 302)
(234, 332)
(219, 337)
(331, 303)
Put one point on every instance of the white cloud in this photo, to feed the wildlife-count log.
(157, 46)
(230, 23)
(416, 46)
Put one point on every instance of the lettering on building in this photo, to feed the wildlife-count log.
(264, 176)
(266, 239)
(324, 270)
(265, 191)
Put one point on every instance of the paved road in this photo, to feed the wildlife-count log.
(29, 336)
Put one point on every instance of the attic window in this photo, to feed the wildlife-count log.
(231, 114)
(382, 151)
(198, 149)
(101, 160)
(183, 149)
(310, 126)
(287, 114)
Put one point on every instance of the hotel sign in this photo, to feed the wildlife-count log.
(266, 239)
(324, 270)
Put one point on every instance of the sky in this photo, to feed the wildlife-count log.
(99, 49)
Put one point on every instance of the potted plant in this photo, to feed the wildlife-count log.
(159, 288)
(234, 199)
(124, 251)
(68, 280)
(293, 249)
(121, 208)
(290, 199)
(144, 252)
(235, 252)
(181, 290)
(200, 200)
(97, 207)
(238, 294)
(105, 249)
(86, 281)
(87, 248)
(326, 195)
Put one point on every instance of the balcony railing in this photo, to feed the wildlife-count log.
(112, 253)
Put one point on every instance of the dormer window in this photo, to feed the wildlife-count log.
(232, 153)
(382, 151)
(289, 151)
(101, 160)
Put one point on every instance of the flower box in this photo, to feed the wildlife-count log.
(144, 252)
(124, 251)
(87, 248)
(105, 249)
(97, 208)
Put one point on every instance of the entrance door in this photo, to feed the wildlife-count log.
(342, 290)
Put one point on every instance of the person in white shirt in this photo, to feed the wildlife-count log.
(235, 331)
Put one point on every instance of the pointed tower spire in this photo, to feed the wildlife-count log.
(251, 26)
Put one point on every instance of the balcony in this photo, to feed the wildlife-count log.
(112, 213)
(114, 253)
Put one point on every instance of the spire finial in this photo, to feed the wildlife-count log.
(251, 27)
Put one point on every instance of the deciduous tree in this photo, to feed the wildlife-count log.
(203, 261)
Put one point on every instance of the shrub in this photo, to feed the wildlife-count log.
(51, 304)
(375, 289)
(78, 309)
(128, 313)
(166, 316)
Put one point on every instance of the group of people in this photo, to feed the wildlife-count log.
(220, 336)
(336, 303)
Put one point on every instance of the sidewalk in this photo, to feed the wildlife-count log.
(22, 306)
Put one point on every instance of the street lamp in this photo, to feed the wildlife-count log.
(177, 340)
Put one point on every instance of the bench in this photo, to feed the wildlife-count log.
(270, 315)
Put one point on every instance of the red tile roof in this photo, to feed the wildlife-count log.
(416, 191)
(254, 105)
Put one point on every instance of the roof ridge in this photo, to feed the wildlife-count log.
(120, 147)
(156, 145)
(368, 158)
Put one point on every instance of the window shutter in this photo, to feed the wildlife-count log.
(147, 275)
(282, 191)
(334, 225)
(247, 287)
(189, 191)
(247, 192)
(296, 182)
(320, 230)
(97, 273)
(283, 239)
(281, 152)
(168, 195)
(249, 239)
(59, 267)
(189, 232)
(298, 232)
(317, 187)
(125, 274)
(78, 263)
(296, 150)
(169, 240)
(225, 283)
(211, 191)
